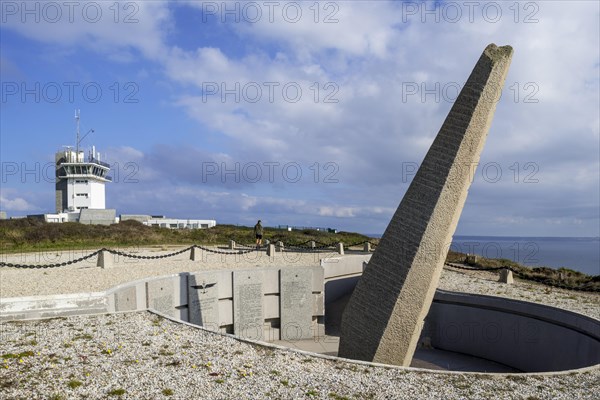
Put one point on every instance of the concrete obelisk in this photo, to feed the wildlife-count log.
(384, 317)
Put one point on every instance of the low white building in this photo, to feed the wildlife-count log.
(171, 223)
(174, 223)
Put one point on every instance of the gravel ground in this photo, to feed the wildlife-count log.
(479, 282)
(141, 355)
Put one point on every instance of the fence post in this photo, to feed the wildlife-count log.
(193, 255)
(271, 250)
(506, 276)
(104, 261)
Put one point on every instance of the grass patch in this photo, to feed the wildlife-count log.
(85, 336)
(164, 352)
(117, 392)
(335, 396)
(73, 384)
(18, 355)
(31, 234)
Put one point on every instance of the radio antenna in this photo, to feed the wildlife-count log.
(77, 145)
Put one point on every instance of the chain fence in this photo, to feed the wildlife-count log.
(248, 249)
(538, 279)
(63, 264)
(123, 254)
(299, 246)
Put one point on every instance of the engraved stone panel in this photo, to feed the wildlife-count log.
(382, 321)
(248, 316)
(296, 303)
(161, 296)
(125, 300)
(203, 300)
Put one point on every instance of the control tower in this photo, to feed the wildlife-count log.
(80, 180)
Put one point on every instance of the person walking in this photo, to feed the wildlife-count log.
(258, 232)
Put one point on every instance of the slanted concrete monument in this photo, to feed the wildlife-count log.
(384, 317)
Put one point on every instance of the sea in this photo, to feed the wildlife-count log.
(577, 253)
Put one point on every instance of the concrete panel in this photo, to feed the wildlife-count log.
(318, 275)
(126, 299)
(336, 288)
(203, 300)
(34, 307)
(271, 304)
(318, 304)
(248, 314)
(338, 267)
(296, 303)
(225, 312)
(271, 281)
(225, 284)
(383, 319)
(164, 295)
(271, 334)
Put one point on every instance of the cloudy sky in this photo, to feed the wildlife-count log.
(301, 113)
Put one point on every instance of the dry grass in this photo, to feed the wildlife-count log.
(29, 234)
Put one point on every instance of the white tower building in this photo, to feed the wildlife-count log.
(80, 180)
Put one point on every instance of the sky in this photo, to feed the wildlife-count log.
(301, 113)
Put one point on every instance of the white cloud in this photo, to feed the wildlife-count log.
(115, 27)
(15, 204)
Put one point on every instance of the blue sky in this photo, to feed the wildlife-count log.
(301, 113)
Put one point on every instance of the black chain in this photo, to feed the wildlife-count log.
(10, 265)
(521, 275)
(120, 253)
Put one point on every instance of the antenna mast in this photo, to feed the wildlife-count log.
(77, 146)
